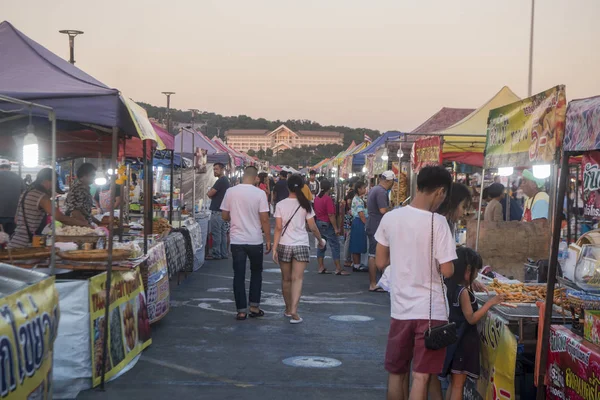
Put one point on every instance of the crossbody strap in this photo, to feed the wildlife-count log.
(288, 223)
(431, 280)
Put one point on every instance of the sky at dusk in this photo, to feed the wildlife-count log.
(378, 64)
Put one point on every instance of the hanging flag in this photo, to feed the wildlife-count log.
(367, 138)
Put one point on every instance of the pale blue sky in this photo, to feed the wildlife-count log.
(384, 64)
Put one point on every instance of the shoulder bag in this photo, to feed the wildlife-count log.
(443, 335)
(289, 221)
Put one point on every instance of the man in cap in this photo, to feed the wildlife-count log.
(12, 187)
(537, 203)
(378, 203)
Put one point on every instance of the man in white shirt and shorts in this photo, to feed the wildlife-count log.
(412, 282)
(245, 207)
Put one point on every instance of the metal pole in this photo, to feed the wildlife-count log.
(111, 220)
(193, 211)
(181, 197)
(569, 209)
(508, 201)
(171, 196)
(479, 210)
(52, 117)
(530, 83)
(150, 212)
(144, 204)
(71, 33)
(552, 275)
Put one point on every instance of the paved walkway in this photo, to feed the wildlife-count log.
(200, 351)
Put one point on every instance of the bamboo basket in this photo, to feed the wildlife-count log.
(27, 253)
(94, 255)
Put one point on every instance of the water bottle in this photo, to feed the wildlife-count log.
(563, 251)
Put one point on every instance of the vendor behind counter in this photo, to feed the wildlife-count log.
(33, 210)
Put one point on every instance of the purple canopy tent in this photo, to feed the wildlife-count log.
(193, 138)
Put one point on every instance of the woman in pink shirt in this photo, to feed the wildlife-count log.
(328, 227)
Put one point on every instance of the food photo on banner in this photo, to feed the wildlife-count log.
(590, 163)
(158, 283)
(28, 325)
(528, 131)
(128, 327)
(426, 152)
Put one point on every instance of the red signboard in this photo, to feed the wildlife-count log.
(425, 152)
(590, 165)
(573, 366)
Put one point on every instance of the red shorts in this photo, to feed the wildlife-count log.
(406, 343)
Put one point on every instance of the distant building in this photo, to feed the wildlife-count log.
(280, 139)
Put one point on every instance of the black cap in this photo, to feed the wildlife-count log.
(45, 174)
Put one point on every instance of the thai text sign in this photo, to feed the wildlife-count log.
(526, 132)
(158, 283)
(28, 326)
(498, 355)
(573, 367)
(128, 323)
(591, 184)
(426, 151)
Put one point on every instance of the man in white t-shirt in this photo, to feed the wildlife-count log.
(414, 277)
(245, 207)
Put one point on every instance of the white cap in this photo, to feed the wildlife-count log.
(389, 176)
(4, 161)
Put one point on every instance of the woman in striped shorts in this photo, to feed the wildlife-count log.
(292, 249)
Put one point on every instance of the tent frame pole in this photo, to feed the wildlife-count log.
(150, 212)
(479, 209)
(193, 210)
(145, 203)
(564, 171)
(52, 117)
(111, 221)
(171, 196)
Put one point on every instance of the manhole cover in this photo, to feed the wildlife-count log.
(351, 318)
(312, 362)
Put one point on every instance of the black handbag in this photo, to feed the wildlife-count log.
(444, 335)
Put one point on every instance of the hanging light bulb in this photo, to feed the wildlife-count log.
(542, 171)
(400, 153)
(334, 169)
(30, 149)
(109, 171)
(384, 156)
(101, 180)
(364, 169)
(505, 171)
(160, 168)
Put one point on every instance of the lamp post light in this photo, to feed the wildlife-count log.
(530, 80)
(71, 33)
(168, 94)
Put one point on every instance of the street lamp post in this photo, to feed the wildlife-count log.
(530, 83)
(71, 33)
(168, 94)
(194, 112)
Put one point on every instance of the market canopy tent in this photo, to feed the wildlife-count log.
(458, 146)
(359, 158)
(193, 138)
(134, 146)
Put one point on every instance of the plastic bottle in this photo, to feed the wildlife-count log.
(563, 251)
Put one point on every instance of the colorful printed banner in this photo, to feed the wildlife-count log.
(498, 354)
(143, 126)
(590, 164)
(582, 132)
(28, 325)
(527, 132)
(128, 327)
(573, 367)
(425, 152)
(158, 283)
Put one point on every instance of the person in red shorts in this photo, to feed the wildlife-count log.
(412, 282)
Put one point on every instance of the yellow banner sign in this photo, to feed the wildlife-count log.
(527, 132)
(128, 323)
(498, 355)
(28, 325)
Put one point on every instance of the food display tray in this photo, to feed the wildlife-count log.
(521, 311)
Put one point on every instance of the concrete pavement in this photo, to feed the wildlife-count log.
(200, 351)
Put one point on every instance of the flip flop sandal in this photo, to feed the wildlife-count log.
(342, 273)
(324, 272)
(377, 290)
(287, 315)
(260, 313)
(241, 316)
(296, 321)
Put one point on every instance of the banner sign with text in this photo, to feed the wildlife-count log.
(582, 132)
(128, 323)
(28, 325)
(426, 152)
(158, 283)
(590, 164)
(527, 132)
(573, 367)
(498, 355)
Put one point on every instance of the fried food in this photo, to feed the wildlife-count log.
(521, 293)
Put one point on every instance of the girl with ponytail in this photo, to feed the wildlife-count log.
(292, 248)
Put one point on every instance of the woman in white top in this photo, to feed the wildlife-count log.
(292, 244)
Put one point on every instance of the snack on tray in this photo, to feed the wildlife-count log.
(521, 293)
(160, 226)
